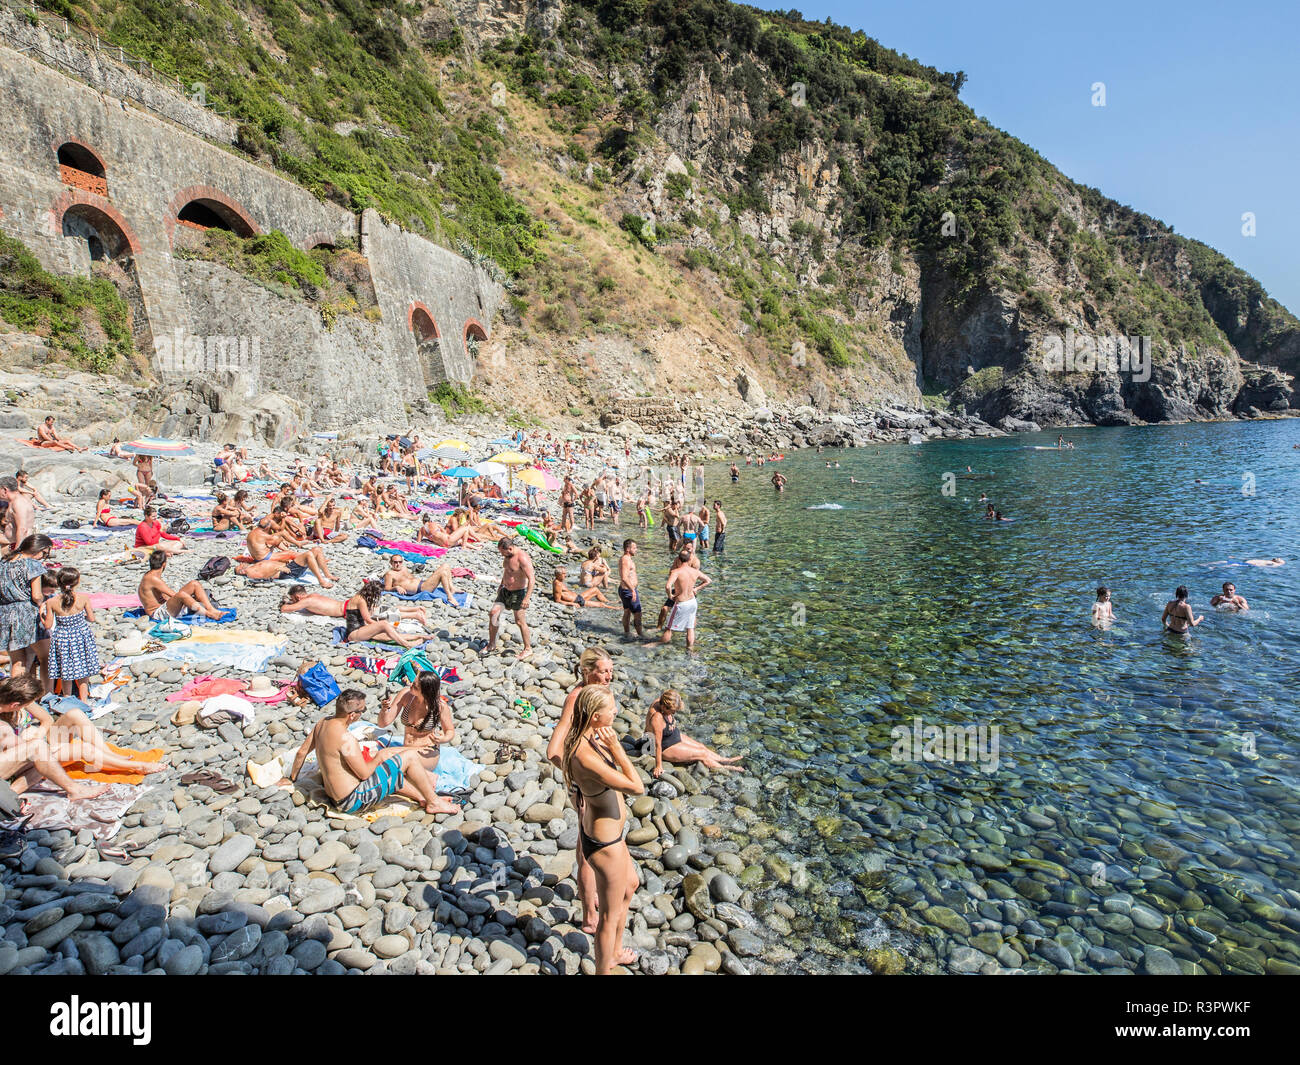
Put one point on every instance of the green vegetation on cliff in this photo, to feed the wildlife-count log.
(83, 317)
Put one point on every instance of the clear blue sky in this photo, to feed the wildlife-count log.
(1202, 115)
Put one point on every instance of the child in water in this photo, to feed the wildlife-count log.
(1102, 612)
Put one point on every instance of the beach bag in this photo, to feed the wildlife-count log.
(180, 525)
(319, 685)
(169, 512)
(214, 567)
(71, 523)
(367, 541)
(409, 666)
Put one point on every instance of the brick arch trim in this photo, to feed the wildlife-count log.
(318, 238)
(202, 192)
(59, 142)
(72, 197)
(417, 305)
(474, 328)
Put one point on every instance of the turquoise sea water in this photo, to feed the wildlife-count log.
(1142, 811)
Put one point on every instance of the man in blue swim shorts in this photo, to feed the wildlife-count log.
(627, 590)
(354, 783)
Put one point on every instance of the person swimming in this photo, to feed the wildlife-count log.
(1177, 617)
(1228, 599)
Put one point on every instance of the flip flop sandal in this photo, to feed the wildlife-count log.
(115, 855)
(198, 776)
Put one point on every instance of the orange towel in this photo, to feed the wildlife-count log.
(77, 770)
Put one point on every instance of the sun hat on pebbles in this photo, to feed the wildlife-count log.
(129, 645)
(186, 712)
(262, 685)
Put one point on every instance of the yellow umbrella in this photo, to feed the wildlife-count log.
(513, 458)
(459, 445)
(538, 479)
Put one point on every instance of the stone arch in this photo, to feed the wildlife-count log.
(320, 239)
(205, 207)
(81, 214)
(420, 321)
(474, 331)
(81, 166)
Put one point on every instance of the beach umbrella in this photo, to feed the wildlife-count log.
(158, 447)
(539, 479)
(513, 458)
(502, 441)
(461, 473)
(491, 469)
(442, 451)
(459, 445)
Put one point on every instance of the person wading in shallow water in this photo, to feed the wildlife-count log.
(1177, 617)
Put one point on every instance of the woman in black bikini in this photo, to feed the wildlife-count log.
(594, 667)
(425, 717)
(598, 769)
(358, 624)
(661, 723)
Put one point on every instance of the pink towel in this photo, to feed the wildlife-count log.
(208, 686)
(110, 601)
(414, 548)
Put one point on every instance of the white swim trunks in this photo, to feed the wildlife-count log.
(683, 616)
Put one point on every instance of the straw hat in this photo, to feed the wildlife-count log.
(186, 712)
(129, 645)
(262, 685)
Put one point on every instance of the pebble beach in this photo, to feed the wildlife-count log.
(271, 880)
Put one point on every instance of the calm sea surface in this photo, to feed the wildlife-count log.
(1120, 800)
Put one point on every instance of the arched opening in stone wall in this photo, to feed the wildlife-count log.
(213, 214)
(475, 334)
(81, 168)
(101, 232)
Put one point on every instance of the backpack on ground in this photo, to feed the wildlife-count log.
(180, 525)
(214, 567)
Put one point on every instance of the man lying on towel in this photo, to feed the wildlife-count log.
(160, 602)
(355, 784)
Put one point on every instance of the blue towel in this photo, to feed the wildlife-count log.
(455, 772)
(435, 596)
(227, 614)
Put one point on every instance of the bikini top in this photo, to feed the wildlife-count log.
(428, 725)
(608, 761)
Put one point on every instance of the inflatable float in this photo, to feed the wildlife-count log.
(534, 537)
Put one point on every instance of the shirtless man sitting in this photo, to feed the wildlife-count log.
(400, 579)
(30, 490)
(47, 437)
(1229, 599)
(20, 516)
(351, 781)
(262, 542)
(563, 594)
(161, 602)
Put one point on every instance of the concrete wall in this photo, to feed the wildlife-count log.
(411, 273)
(153, 169)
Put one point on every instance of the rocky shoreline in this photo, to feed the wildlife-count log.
(262, 880)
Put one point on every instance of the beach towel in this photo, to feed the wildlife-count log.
(206, 687)
(463, 599)
(100, 816)
(111, 601)
(373, 539)
(249, 652)
(228, 614)
(87, 532)
(102, 703)
(455, 772)
(77, 770)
